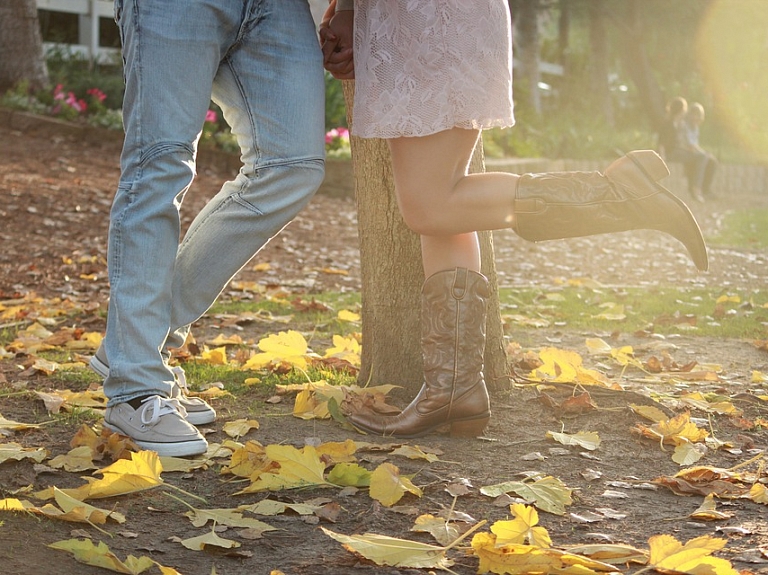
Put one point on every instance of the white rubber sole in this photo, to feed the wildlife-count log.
(194, 417)
(178, 449)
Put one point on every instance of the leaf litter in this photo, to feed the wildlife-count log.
(712, 385)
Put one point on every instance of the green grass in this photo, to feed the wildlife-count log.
(313, 322)
(741, 314)
(744, 229)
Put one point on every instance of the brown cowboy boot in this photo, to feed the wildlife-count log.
(453, 316)
(628, 196)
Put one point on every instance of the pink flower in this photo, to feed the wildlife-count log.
(343, 133)
(211, 116)
(98, 94)
(331, 135)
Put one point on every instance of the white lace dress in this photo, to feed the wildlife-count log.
(423, 66)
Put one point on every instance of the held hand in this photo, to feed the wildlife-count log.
(336, 36)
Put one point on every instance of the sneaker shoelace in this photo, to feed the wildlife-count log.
(154, 407)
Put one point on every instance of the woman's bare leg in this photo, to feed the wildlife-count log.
(439, 201)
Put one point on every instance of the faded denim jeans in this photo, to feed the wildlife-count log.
(260, 61)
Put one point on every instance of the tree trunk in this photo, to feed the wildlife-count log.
(563, 34)
(21, 46)
(637, 64)
(392, 275)
(599, 62)
(526, 19)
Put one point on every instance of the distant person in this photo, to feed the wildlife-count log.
(678, 142)
(693, 120)
(672, 133)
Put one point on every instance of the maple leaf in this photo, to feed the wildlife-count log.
(649, 412)
(415, 452)
(759, 493)
(216, 356)
(687, 453)
(200, 542)
(562, 366)
(587, 439)
(699, 401)
(249, 460)
(298, 468)
(522, 528)
(272, 507)
(141, 472)
(222, 340)
(77, 511)
(15, 452)
(99, 555)
(10, 425)
(283, 348)
(77, 459)
(388, 486)
(444, 531)
(548, 493)
(668, 555)
(707, 511)
(675, 431)
(349, 475)
(239, 427)
(394, 552)
(615, 554)
(346, 315)
(345, 348)
(312, 401)
(228, 517)
(516, 559)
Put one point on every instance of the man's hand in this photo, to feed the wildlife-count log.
(336, 38)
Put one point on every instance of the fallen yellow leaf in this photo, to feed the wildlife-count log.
(124, 476)
(388, 486)
(548, 493)
(527, 559)
(668, 555)
(15, 452)
(99, 555)
(239, 427)
(522, 528)
(587, 439)
(394, 552)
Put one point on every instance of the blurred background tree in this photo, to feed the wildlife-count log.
(592, 77)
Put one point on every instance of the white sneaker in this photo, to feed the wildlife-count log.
(158, 425)
(198, 411)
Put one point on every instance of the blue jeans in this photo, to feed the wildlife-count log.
(260, 61)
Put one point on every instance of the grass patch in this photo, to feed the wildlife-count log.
(316, 317)
(743, 229)
(702, 312)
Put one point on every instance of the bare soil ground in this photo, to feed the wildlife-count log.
(56, 194)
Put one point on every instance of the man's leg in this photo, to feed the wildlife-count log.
(171, 52)
(272, 92)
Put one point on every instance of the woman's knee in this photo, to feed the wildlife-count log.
(421, 218)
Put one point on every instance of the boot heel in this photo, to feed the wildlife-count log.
(650, 163)
(469, 428)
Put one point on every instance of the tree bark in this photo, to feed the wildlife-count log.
(392, 275)
(637, 64)
(598, 41)
(526, 20)
(21, 46)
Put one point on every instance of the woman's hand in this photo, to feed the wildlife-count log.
(336, 38)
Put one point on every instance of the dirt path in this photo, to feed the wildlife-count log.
(53, 227)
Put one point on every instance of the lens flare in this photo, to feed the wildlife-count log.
(732, 48)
